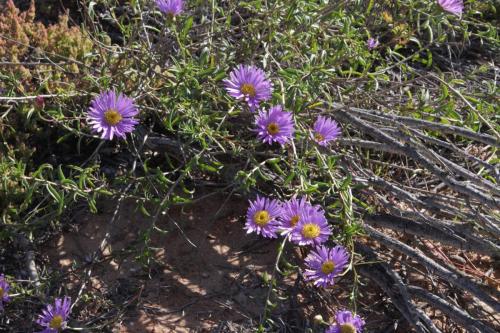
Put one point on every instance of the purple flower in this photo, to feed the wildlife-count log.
(275, 125)
(54, 317)
(324, 264)
(455, 7)
(4, 291)
(346, 323)
(170, 7)
(372, 43)
(312, 228)
(112, 115)
(325, 130)
(249, 83)
(292, 209)
(262, 217)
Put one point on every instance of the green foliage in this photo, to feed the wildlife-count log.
(315, 53)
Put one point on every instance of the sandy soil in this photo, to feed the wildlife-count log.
(207, 274)
(203, 275)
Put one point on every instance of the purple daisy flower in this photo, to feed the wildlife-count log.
(54, 317)
(170, 7)
(249, 83)
(4, 291)
(112, 115)
(312, 228)
(292, 209)
(455, 7)
(372, 43)
(346, 322)
(325, 130)
(324, 264)
(275, 125)
(262, 217)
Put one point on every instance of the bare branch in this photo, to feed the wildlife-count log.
(431, 232)
(419, 123)
(452, 276)
(458, 186)
(459, 315)
(390, 282)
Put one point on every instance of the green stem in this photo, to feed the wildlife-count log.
(281, 247)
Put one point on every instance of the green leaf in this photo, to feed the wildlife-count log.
(53, 192)
(187, 26)
(60, 173)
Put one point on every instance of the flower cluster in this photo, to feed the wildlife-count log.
(303, 224)
(112, 114)
(251, 84)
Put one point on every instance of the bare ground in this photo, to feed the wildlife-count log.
(203, 275)
(207, 277)
(195, 280)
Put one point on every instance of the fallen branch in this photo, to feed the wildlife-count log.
(390, 282)
(413, 153)
(430, 232)
(419, 123)
(448, 274)
(459, 315)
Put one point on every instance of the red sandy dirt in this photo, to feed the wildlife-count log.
(186, 288)
(191, 288)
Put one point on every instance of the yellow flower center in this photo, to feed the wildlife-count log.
(261, 218)
(112, 117)
(311, 230)
(1, 293)
(347, 328)
(273, 128)
(56, 322)
(328, 267)
(248, 89)
(318, 137)
(295, 219)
